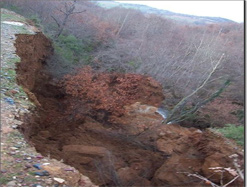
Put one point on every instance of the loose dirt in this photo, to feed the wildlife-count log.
(132, 149)
(18, 157)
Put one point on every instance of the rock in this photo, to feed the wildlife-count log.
(28, 158)
(28, 165)
(17, 146)
(18, 160)
(37, 185)
(14, 126)
(129, 177)
(11, 184)
(52, 169)
(13, 148)
(213, 161)
(48, 181)
(45, 164)
(68, 169)
(59, 180)
(39, 157)
(12, 153)
(3, 170)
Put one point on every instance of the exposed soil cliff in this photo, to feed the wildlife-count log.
(128, 148)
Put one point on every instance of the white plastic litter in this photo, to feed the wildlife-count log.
(59, 180)
(13, 23)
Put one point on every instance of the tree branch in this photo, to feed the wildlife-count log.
(195, 91)
(56, 21)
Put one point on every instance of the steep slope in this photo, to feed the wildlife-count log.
(17, 156)
(130, 148)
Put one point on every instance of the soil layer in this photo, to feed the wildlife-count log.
(131, 149)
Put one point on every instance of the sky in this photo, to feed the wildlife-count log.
(233, 10)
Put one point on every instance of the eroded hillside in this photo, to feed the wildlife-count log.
(76, 120)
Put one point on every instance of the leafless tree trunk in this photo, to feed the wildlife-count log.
(67, 11)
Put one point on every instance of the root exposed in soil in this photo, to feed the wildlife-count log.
(129, 148)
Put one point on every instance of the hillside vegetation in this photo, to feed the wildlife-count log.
(124, 96)
(181, 57)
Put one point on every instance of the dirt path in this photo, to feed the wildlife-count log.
(17, 157)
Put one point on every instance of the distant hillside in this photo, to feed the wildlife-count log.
(183, 18)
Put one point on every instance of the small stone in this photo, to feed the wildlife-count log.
(48, 181)
(37, 185)
(12, 153)
(14, 177)
(59, 180)
(13, 148)
(28, 165)
(162, 134)
(20, 180)
(14, 126)
(17, 146)
(3, 170)
(45, 164)
(39, 157)
(28, 158)
(68, 169)
(11, 184)
(18, 160)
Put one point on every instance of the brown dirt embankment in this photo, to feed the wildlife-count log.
(75, 120)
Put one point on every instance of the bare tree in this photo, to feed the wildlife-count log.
(178, 113)
(66, 11)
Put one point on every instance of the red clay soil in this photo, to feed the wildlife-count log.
(76, 120)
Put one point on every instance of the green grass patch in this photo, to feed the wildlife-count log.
(234, 132)
(30, 178)
(35, 18)
(73, 50)
(21, 29)
(10, 17)
(31, 173)
(13, 135)
(14, 60)
(4, 180)
(11, 7)
(69, 47)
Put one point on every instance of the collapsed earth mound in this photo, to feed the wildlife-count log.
(106, 126)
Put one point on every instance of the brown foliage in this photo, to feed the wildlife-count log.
(220, 112)
(110, 92)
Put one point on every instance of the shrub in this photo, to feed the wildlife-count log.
(240, 114)
(73, 50)
(234, 132)
(10, 6)
(37, 21)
